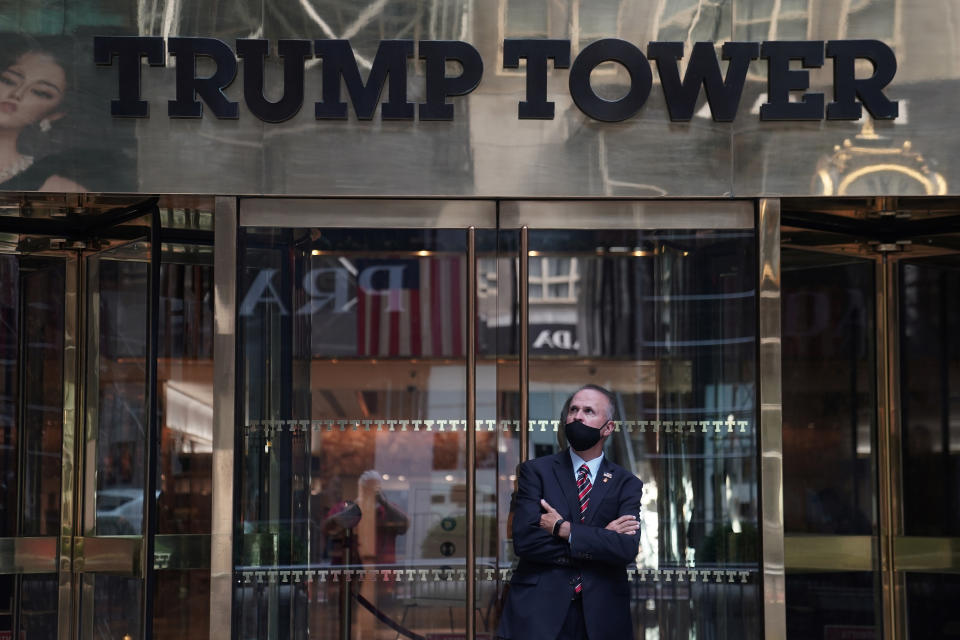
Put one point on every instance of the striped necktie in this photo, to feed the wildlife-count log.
(583, 491)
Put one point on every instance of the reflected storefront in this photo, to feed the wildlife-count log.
(276, 335)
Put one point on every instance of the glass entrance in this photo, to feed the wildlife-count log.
(318, 436)
(105, 418)
(870, 443)
(397, 360)
(32, 339)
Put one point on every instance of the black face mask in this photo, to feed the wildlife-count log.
(580, 436)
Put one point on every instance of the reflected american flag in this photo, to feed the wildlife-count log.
(423, 317)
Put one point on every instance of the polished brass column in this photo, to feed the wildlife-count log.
(771, 421)
(224, 409)
(888, 449)
(524, 343)
(471, 432)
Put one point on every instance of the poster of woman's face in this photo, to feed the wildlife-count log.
(52, 137)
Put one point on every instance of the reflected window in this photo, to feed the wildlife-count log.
(596, 19)
(553, 279)
(873, 19)
(761, 21)
(675, 19)
(526, 18)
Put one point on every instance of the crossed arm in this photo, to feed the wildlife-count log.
(533, 538)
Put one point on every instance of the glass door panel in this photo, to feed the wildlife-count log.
(352, 477)
(31, 430)
(829, 433)
(120, 371)
(870, 436)
(659, 308)
(829, 380)
(930, 395)
(929, 312)
(185, 391)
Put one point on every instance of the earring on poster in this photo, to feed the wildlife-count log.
(46, 125)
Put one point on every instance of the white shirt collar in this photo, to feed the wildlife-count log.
(593, 465)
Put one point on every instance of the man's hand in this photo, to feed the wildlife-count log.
(548, 519)
(626, 525)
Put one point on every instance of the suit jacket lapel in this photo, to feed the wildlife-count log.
(598, 492)
(563, 469)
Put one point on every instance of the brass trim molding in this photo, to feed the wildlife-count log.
(28, 555)
(471, 449)
(926, 555)
(830, 553)
(627, 214)
(116, 555)
(358, 212)
(524, 294)
(861, 553)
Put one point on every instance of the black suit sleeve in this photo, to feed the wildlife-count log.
(590, 543)
(530, 542)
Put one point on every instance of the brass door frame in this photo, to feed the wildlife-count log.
(224, 415)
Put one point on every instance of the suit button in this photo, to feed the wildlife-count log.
(573, 581)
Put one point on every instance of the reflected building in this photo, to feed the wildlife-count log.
(275, 379)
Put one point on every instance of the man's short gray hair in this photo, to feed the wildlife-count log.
(611, 401)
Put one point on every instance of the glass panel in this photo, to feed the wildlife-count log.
(7, 586)
(497, 398)
(829, 393)
(932, 605)
(38, 607)
(833, 606)
(667, 321)
(185, 388)
(181, 604)
(121, 279)
(929, 378)
(42, 302)
(9, 404)
(351, 481)
(116, 607)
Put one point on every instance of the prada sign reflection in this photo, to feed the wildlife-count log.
(850, 93)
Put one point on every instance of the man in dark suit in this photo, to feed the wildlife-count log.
(575, 531)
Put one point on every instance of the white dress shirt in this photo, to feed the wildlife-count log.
(593, 465)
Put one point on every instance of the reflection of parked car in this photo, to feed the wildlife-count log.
(119, 511)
